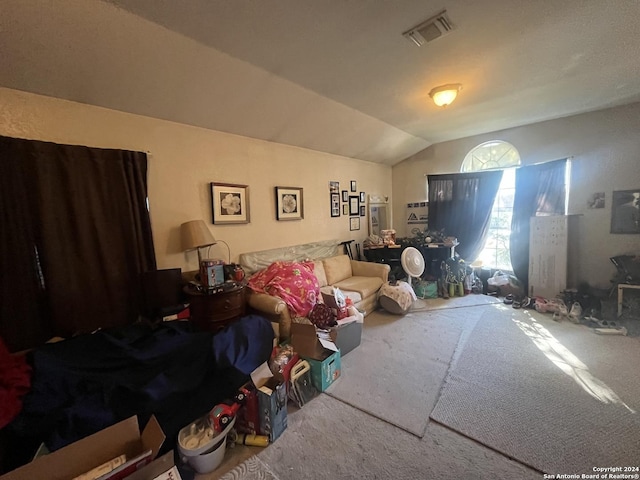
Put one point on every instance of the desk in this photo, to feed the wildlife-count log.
(433, 254)
(621, 287)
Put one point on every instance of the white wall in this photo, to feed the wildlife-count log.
(184, 159)
(605, 147)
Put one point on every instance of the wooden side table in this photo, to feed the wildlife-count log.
(213, 312)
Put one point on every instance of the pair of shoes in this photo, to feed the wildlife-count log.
(561, 313)
(508, 300)
(575, 313)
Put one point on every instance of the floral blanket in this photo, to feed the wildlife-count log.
(293, 282)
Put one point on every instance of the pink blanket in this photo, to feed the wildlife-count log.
(293, 282)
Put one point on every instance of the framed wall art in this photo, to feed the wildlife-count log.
(354, 186)
(345, 209)
(354, 223)
(345, 196)
(335, 204)
(362, 197)
(289, 204)
(625, 211)
(229, 203)
(354, 205)
(363, 211)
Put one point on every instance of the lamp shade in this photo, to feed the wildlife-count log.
(445, 94)
(195, 234)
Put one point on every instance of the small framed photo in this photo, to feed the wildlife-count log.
(354, 186)
(361, 197)
(363, 211)
(354, 205)
(229, 203)
(334, 187)
(335, 204)
(289, 205)
(354, 223)
(345, 209)
(345, 196)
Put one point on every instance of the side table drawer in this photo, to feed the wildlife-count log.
(214, 312)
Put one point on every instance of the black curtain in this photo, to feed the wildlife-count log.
(75, 238)
(461, 203)
(540, 190)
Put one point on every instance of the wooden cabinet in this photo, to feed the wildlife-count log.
(215, 311)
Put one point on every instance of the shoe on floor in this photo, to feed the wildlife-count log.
(508, 300)
(575, 313)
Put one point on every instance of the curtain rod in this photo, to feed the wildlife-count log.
(519, 166)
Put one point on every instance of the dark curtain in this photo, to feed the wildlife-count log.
(75, 238)
(461, 203)
(540, 190)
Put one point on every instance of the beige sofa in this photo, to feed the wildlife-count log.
(360, 281)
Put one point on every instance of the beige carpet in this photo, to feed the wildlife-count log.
(551, 395)
(397, 372)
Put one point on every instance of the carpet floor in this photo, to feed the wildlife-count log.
(397, 372)
(509, 385)
(553, 396)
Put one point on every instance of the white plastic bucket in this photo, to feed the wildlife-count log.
(202, 453)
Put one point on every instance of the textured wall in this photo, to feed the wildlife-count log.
(183, 160)
(605, 147)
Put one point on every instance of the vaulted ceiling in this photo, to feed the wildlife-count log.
(333, 75)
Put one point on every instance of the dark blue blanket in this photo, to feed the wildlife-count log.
(86, 383)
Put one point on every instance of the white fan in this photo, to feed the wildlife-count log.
(412, 263)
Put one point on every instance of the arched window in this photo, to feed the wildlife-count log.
(497, 154)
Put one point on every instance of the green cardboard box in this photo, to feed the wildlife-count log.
(323, 356)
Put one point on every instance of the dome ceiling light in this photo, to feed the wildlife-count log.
(445, 94)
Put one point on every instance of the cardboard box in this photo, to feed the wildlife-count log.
(162, 468)
(348, 337)
(322, 355)
(88, 453)
(272, 402)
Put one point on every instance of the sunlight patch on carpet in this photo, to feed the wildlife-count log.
(567, 362)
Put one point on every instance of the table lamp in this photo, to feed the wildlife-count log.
(195, 235)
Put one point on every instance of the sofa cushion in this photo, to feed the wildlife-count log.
(318, 270)
(337, 268)
(365, 286)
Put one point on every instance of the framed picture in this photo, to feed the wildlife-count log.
(625, 211)
(361, 197)
(229, 203)
(345, 209)
(334, 187)
(335, 204)
(354, 223)
(289, 205)
(345, 196)
(354, 205)
(363, 211)
(354, 186)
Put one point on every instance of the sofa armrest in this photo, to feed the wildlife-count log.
(370, 269)
(266, 303)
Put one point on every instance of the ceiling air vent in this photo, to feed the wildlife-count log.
(435, 27)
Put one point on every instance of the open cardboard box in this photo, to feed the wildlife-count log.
(322, 355)
(94, 450)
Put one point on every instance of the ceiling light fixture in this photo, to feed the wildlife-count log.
(445, 94)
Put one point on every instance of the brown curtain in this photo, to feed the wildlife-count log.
(540, 190)
(75, 238)
(461, 203)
